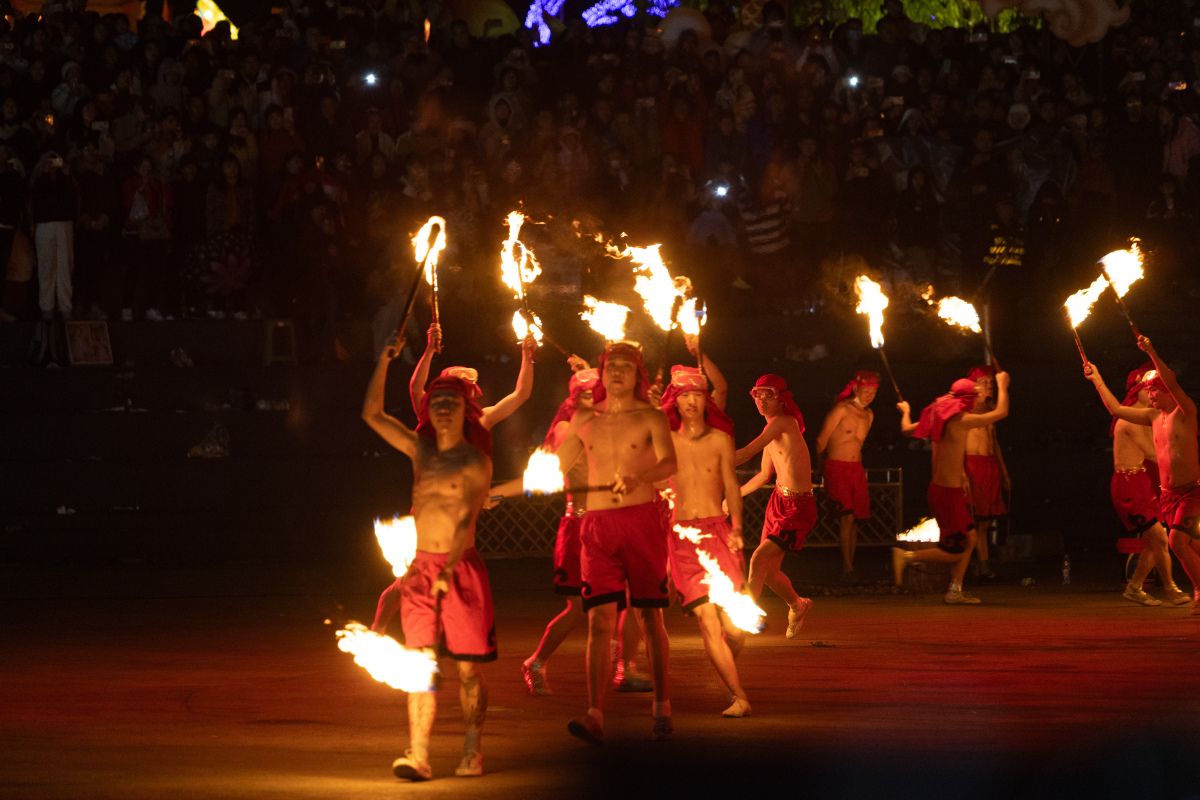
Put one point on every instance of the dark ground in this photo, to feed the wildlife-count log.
(132, 682)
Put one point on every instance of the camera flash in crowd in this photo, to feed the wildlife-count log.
(370, 78)
(852, 81)
(720, 190)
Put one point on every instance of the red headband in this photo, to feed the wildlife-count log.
(864, 377)
(476, 435)
(779, 384)
(690, 379)
(934, 416)
(585, 380)
(981, 371)
(468, 374)
(630, 351)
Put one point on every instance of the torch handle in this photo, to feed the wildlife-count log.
(1121, 302)
(1075, 333)
(412, 292)
(888, 368)
(605, 487)
(987, 346)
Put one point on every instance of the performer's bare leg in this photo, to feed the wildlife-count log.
(1187, 550)
(473, 696)
(389, 604)
(657, 649)
(601, 621)
(722, 657)
(765, 568)
(1156, 543)
(422, 708)
(557, 631)
(848, 537)
(735, 637)
(937, 555)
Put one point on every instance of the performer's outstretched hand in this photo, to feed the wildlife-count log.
(1002, 380)
(904, 407)
(441, 585)
(434, 338)
(576, 363)
(1144, 344)
(624, 484)
(1091, 373)
(391, 350)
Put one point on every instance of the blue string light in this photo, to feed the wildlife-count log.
(605, 12)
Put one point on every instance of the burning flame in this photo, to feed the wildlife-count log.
(741, 609)
(692, 316)
(606, 319)
(427, 30)
(1079, 305)
(652, 281)
(387, 660)
(397, 539)
(520, 270)
(1123, 268)
(926, 530)
(543, 473)
(959, 312)
(871, 301)
(423, 249)
(521, 327)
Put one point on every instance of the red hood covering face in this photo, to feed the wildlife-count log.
(690, 379)
(1138, 379)
(468, 374)
(864, 377)
(779, 384)
(476, 435)
(630, 351)
(934, 417)
(585, 380)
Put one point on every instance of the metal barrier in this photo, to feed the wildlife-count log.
(526, 526)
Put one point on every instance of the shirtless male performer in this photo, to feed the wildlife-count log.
(389, 599)
(492, 415)
(622, 540)
(986, 473)
(840, 443)
(1172, 420)
(445, 597)
(946, 422)
(704, 450)
(792, 510)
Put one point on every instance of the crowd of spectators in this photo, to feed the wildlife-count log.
(149, 172)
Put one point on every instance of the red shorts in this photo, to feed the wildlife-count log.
(624, 546)
(985, 476)
(1134, 500)
(1181, 509)
(566, 556)
(686, 570)
(949, 507)
(846, 488)
(789, 518)
(467, 630)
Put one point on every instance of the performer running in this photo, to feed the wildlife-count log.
(946, 422)
(445, 597)
(791, 511)
(1172, 418)
(492, 415)
(703, 437)
(986, 473)
(622, 539)
(840, 443)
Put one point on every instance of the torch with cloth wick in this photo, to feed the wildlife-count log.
(519, 268)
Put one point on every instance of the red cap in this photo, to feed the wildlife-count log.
(691, 379)
(779, 384)
(864, 377)
(934, 416)
(477, 435)
(631, 351)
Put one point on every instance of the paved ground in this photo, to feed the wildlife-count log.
(139, 683)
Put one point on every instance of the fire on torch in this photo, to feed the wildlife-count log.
(871, 302)
(741, 609)
(960, 313)
(1079, 306)
(1123, 268)
(605, 318)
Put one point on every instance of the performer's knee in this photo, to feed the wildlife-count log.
(469, 674)
(602, 618)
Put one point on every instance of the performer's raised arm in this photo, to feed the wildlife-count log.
(1169, 379)
(393, 431)
(972, 420)
(420, 376)
(1138, 416)
(720, 386)
(507, 406)
(907, 426)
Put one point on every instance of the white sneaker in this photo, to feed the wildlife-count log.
(152, 315)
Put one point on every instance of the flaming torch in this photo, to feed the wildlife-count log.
(871, 302)
(926, 530)
(1079, 306)
(693, 314)
(543, 474)
(606, 319)
(397, 539)
(960, 313)
(741, 609)
(1123, 268)
(387, 660)
(428, 248)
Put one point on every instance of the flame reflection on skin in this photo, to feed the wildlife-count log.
(388, 661)
(871, 301)
(741, 609)
(543, 474)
